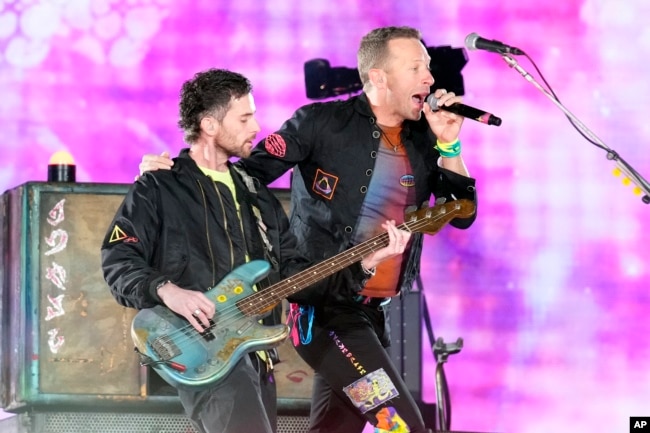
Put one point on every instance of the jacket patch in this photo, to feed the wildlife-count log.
(275, 145)
(118, 235)
(324, 184)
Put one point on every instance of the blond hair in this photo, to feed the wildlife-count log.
(373, 50)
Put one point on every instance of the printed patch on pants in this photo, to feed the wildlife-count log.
(324, 184)
(388, 420)
(371, 390)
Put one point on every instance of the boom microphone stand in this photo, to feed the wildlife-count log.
(441, 352)
(623, 166)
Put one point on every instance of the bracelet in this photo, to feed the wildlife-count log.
(371, 271)
(448, 150)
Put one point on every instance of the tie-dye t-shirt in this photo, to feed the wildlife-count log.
(391, 191)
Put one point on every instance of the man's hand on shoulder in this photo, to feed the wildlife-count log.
(152, 162)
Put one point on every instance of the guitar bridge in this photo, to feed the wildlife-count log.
(165, 348)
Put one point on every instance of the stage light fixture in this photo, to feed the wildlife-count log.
(446, 66)
(323, 81)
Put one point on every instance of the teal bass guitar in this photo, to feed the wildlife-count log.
(186, 358)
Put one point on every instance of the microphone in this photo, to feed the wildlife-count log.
(474, 42)
(465, 111)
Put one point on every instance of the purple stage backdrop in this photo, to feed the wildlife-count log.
(550, 287)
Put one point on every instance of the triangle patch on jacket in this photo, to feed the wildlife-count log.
(119, 235)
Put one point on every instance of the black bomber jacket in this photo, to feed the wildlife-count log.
(340, 139)
(171, 226)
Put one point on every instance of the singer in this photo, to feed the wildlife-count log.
(356, 163)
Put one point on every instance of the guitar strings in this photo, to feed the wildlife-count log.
(256, 304)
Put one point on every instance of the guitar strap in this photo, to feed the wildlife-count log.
(269, 356)
(249, 182)
(297, 312)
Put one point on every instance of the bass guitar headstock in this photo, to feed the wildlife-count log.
(431, 220)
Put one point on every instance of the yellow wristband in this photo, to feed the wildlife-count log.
(448, 150)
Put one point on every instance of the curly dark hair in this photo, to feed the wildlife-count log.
(373, 50)
(208, 93)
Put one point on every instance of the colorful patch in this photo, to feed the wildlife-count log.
(275, 145)
(119, 235)
(408, 180)
(371, 390)
(324, 184)
(388, 420)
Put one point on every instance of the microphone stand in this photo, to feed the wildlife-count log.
(612, 155)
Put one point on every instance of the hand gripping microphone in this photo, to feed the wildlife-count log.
(465, 111)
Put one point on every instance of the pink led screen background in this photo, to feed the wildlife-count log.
(549, 288)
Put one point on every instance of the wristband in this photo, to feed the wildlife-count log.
(448, 150)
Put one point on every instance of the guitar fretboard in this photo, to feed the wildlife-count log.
(265, 299)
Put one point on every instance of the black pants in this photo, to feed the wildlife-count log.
(236, 404)
(355, 380)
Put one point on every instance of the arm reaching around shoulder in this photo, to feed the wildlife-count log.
(152, 162)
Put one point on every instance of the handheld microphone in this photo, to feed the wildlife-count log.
(465, 111)
(474, 42)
